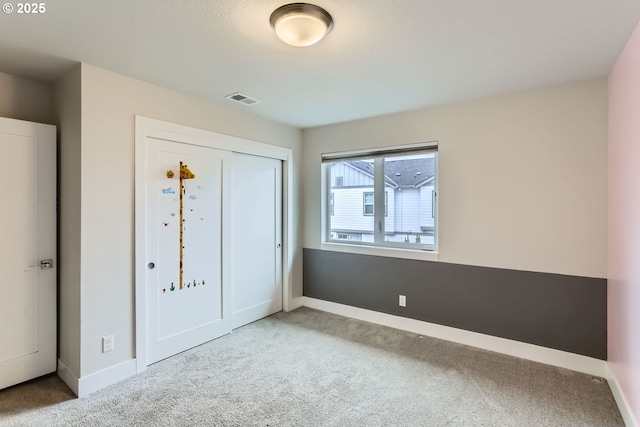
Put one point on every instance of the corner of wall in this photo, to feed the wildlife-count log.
(26, 99)
(68, 120)
(83, 386)
(621, 399)
(67, 377)
(623, 292)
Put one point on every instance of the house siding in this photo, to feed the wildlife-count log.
(348, 210)
(351, 176)
(407, 211)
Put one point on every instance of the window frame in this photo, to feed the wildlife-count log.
(365, 204)
(414, 250)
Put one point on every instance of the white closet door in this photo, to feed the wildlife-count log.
(256, 238)
(28, 251)
(187, 298)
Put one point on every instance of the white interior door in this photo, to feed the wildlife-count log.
(187, 298)
(28, 251)
(256, 238)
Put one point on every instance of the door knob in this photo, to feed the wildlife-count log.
(151, 266)
(45, 264)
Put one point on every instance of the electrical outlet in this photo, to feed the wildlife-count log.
(108, 344)
(402, 301)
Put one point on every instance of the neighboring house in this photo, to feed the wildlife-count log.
(409, 200)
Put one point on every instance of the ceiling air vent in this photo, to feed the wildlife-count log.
(243, 99)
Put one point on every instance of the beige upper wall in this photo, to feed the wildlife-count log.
(522, 178)
(109, 104)
(26, 99)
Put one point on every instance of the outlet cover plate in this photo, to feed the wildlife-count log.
(108, 343)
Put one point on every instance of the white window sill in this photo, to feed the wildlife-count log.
(380, 251)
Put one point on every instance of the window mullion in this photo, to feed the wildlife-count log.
(327, 215)
(378, 200)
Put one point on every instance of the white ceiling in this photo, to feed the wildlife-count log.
(382, 56)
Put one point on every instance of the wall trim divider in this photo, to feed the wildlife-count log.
(84, 386)
(618, 394)
(535, 353)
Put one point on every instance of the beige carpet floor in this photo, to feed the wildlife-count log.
(309, 368)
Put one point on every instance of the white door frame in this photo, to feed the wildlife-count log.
(146, 127)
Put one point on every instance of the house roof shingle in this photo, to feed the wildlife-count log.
(401, 173)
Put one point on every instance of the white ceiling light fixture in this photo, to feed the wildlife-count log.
(301, 24)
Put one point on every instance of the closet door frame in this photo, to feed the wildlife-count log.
(147, 127)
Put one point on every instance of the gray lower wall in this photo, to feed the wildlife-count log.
(567, 313)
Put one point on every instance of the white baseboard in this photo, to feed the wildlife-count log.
(623, 404)
(549, 356)
(67, 377)
(84, 386)
(295, 303)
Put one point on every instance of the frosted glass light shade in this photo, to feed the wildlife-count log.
(301, 24)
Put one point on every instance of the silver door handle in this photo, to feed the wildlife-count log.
(45, 264)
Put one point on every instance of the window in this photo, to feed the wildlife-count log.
(368, 204)
(383, 197)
